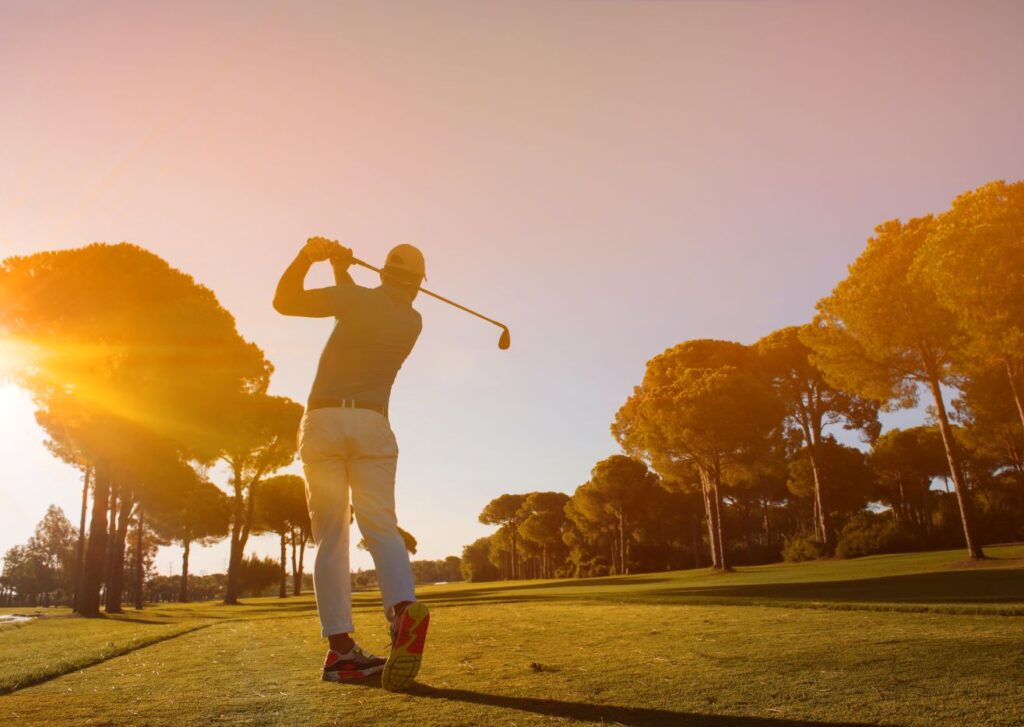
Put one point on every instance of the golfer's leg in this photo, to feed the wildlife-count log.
(327, 497)
(373, 496)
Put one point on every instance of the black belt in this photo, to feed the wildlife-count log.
(346, 404)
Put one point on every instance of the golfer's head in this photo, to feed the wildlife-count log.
(404, 269)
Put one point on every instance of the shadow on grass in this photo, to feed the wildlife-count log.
(159, 614)
(512, 593)
(963, 587)
(600, 713)
(953, 587)
(243, 609)
(642, 580)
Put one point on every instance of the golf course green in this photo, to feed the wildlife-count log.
(912, 639)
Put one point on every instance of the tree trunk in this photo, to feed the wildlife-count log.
(717, 502)
(515, 552)
(765, 523)
(1014, 456)
(622, 544)
(235, 556)
(88, 603)
(1013, 389)
(108, 554)
(80, 547)
(901, 505)
(115, 579)
(295, 569)
(824, 524)
(183, 593)
(138, 560)
(927, 506)
(1018, 471)
(232, 586)
(695, 541)
(302, 555)
(963, 497)
(709, 514)
(116, 585)
(283, 590)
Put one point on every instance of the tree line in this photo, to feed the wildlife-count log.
(42, 571)
(143, 383)
(729, 450)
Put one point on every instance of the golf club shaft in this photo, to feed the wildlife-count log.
(441, 298)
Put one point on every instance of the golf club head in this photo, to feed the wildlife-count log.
(506, 339)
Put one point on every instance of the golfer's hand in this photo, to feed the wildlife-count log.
(317, 249)
(339, 255)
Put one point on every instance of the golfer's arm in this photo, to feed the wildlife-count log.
(292, 299)
(341, 276)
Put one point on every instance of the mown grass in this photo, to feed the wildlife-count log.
(33, 654)
(646, 649)
(631, 664)
(941, 581)
(57, 642)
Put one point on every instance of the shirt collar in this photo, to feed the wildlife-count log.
(395, 295)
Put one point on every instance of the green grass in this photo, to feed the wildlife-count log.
(34, 652)
(918, 639)
(940, 581)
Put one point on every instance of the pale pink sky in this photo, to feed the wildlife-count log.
(609, 178)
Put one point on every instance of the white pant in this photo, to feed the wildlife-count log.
(342, 450)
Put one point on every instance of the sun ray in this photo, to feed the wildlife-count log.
(48, 368)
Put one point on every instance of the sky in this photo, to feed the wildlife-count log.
(608, 178)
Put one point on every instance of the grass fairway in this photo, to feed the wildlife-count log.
(911, 639)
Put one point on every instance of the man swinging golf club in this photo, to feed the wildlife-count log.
(346, 445)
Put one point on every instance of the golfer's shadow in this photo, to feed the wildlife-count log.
(601, 713)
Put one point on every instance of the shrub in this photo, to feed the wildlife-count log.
(867, 533)
(592, 567)
(257, 575)
(753, 554)
(801, 547)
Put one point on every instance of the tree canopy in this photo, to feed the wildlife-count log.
(134, 366)
(706, 405)
(974, 261)
(883, 332)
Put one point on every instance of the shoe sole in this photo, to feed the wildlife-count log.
(407, 652)
(346, 676)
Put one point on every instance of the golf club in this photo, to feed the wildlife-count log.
(503, 342)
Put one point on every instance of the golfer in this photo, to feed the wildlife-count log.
(348, 449)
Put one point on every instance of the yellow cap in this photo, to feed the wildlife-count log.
(407, 259)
